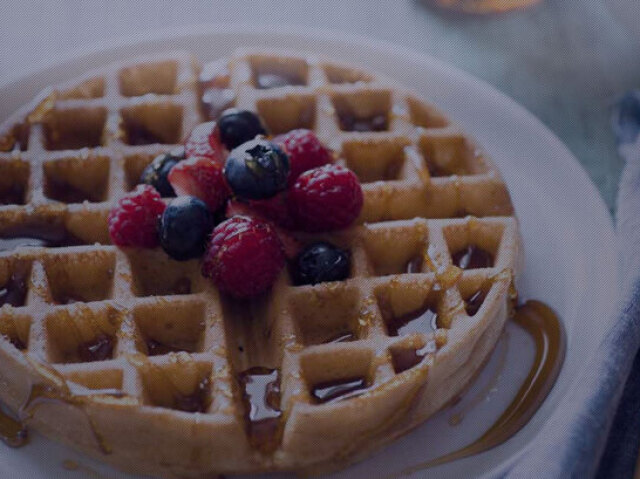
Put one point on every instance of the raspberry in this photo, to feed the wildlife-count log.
(305, 151)
(244, 257)
(326, 198)
(133, 221)
(202, 178)
(291, 246)
(275, 209)
(205, 142)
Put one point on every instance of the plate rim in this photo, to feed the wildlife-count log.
(602, 220)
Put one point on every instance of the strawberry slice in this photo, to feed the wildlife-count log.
(202, 178)
(204, 142)
(237, 208)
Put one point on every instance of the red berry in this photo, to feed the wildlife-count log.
(275, 209)
(305, 151)
(205, 142)
(244, 257)
(134, 219)
(202, 178)
(326, 198)
(291, 246)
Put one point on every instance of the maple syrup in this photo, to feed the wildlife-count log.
(339, 389)
(436, 171)
(423, 320)
(38, 234)
(414, 265)
(349, 122)
(405, 359)
(13, 195)
(261, 396)
(98, 349)
(65, 192)
(474, 302)
(12, 432)
(69, 298)
(342, 337)
(17, 343)
(542, 323)
(472, 257)
(139, 135)
(268, 80)
(156, 348)
(14, 292)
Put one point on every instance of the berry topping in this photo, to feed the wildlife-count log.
(326, 198)
(254, 209)
(202, 178)
(184, 228)
(305, 151)
(133, 221)
(275, 209)
(156, 172)
(256, 170)
(203, 142)
(321, 262)
(238, 126)
(244, 257)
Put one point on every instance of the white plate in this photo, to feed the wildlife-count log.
(568, 234)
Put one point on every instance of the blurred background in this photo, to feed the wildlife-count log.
(567, 61)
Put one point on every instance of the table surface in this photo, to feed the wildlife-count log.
(565, 60)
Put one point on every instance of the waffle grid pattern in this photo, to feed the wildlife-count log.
(429, 192)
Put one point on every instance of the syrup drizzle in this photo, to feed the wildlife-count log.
(14, 292)
(472, 257)
(39, 234)
(423, 320)
(349, 122)
(541, 322)
(405, 359)
(535, 317)
(14, 432)
(414, 265)
(339, 389)
(13, 195)
(343, 337)
(474, 302)
(98, 349)
(261, 395)
(267, 80)
(156, 348)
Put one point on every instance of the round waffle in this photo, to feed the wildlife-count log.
(136, 359)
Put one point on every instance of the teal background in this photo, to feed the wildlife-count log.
(565, 60)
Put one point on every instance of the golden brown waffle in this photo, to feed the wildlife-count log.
(137, 360)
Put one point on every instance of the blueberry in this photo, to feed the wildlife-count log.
(155, 174)
(321, 262)
(256, 170)
(185, 227)
(237, 126)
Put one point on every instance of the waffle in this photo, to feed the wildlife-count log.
(137, 360)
